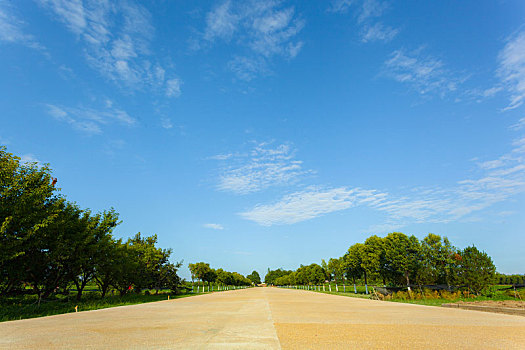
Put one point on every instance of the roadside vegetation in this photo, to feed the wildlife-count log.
(56, 256)
(402, 268)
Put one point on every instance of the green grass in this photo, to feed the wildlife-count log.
(495, 293)
(22, 307)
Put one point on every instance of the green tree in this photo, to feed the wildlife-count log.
(254, 277)
(201, 271)
(126, 268)
(274, 274)
(375, 259)
(475, 269)
(28, 204)
(107, 263)
(404, 255)
(437, 260)
(314, 274)
(149, 258)
(86, 246)
(353, 263)
(335, 269)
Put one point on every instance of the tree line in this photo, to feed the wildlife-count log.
(204, 273)
(510, 279)
(398, 260)
(50, 245)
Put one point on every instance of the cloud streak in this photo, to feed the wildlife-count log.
(264, 167)
(378, 32)
(12, 29)
(424, 73)
(512, 69)
(264, 30)
(213, 226)
(116, 38)
(366, 12)
(500, 179)
(309, 204)
(89, 120)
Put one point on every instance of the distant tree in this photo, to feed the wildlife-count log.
(404, 254)
(274, 274)
(335, 269)
(210, 276)
(437, 260)
(353, 263)
(149, 258)
(224, 277)
(326, 270)
(374, 257)
(201, 271)
(254, 277)
(475, 269)
(314, 274)
(126, 268)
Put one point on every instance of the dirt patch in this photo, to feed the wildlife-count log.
(514, 304)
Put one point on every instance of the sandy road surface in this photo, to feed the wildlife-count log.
(268, 318)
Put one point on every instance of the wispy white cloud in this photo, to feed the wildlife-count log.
(371, 9)
(166, 123)
(221, 22)
(173, 87)
(366, 13)
(221, 156)
(116, 36)
(425, 73)
(267, 29)
(512, 69)
(519, 125)
(263, 167)
(214, 226)
(89, 120)
(378, 32)
(308, 204)
(498, 181)
(247, 68)
(341, 6)
(12, 28)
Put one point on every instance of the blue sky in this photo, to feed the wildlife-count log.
(269, 134)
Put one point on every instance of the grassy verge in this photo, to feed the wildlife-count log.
(17, 308)
(496, 293)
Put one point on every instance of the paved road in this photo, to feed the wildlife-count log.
(268, 318)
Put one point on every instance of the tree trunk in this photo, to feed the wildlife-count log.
(366, 283)
(355, 288)
(104, 289)
(79, 290)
